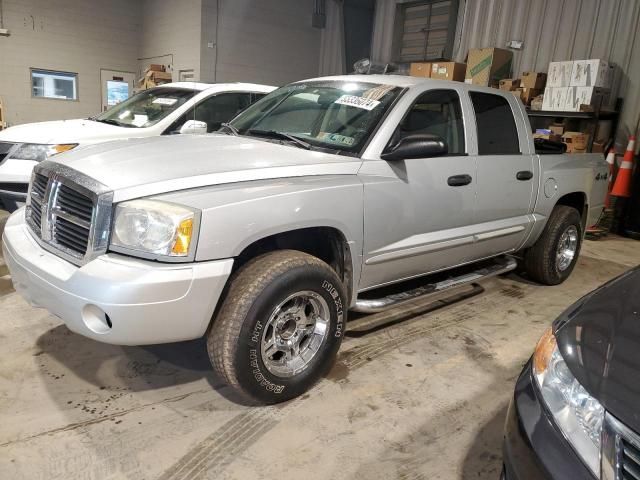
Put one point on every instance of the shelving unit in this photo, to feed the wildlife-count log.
(591, 117)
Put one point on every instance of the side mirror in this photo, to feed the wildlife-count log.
(194, 126)
(419, 145)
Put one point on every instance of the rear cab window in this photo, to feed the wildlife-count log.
(497, 131)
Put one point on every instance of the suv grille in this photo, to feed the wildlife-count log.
(68, 212)
(630, 461)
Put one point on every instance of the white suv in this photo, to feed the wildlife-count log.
(181, 107)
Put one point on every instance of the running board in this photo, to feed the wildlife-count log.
(374, 305)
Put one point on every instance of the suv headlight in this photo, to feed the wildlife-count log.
(38, 152)
(154, 228)
(576, 413)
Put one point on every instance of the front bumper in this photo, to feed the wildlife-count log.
(114, 298)
(534, 448)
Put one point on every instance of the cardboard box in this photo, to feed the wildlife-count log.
(559, 74)
(536, 103)
(420, 69)
(576, 141)
(509, 84)
(528, 94)
(585, 98)
(555, 98)
(487, 66)
(556, 128)
(448, 71)
(591, 73)
(535, 80)
(156, 67)
(548, 136)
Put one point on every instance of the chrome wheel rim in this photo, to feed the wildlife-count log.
(294, 333)
(567, 247)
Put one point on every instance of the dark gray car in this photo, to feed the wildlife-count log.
(575, 413)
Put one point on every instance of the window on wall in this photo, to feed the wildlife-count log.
(425, 30)
(52, 84)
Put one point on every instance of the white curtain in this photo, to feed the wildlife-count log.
(332, 54)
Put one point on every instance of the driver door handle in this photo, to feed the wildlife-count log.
(459, 180)
(524, 175)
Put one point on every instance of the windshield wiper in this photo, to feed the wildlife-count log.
(281, 135)
(110, 121)
(231, 128)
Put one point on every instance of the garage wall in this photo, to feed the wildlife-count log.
(67, 35)
(266, 41)
(551, 30)
(171, 35)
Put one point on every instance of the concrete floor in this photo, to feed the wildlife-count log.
(423, 399)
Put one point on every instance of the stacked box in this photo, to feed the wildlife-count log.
(559, 74)
(420, 69)
(578, 97)
(535, 80)
(487, 66)
(555, 98)
(448, 71)
(591, 73)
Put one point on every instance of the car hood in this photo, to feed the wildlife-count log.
(150, 166)
(67, 131)
(599, 338)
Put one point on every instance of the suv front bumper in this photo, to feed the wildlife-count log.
(114, 298)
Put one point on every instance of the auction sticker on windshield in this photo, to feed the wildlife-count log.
(358, 102)
(165, 101)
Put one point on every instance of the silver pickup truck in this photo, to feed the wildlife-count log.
(261, 236)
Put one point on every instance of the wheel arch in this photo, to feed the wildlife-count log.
(577, 200)
(327, 243)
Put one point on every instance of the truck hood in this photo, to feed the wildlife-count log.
(67, 131)
(599, 338)
(150, 166)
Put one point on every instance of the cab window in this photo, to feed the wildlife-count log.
(497, 132)
(215, 110)
(436, 112)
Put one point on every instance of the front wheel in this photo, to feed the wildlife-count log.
(552, 258)
(280, 326)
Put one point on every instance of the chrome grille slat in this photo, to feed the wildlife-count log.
(620, 455)
(69, 213)
(630, 461)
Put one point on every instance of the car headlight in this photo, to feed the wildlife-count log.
(576, 413)
(39, 152)
(154, 228)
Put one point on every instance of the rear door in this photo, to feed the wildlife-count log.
(507, 174)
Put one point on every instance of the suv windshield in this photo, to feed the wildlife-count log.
(146, 108)
(338, 115)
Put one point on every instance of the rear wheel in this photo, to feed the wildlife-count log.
(280, 326)
(552, 259)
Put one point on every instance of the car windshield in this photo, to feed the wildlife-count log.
(337, 115)
(146, 108)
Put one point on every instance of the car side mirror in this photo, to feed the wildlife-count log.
(419, 145)
(194, 126)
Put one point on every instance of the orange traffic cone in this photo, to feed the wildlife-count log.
(611, 160)
(622, 187)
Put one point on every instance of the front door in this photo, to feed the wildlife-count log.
(116, 87)
(418, 212)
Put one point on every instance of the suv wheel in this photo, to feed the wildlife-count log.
(279, 327)
(552, 258)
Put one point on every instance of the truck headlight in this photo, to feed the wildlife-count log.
(39, 152)
(576, 413)
(154, 228)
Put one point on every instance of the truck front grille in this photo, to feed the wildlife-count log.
(68, 213)
(630, 461)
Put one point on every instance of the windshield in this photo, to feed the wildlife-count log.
(338, 115)
(146, 108)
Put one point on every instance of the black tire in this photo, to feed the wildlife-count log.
(255, 290)
(540, 260)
